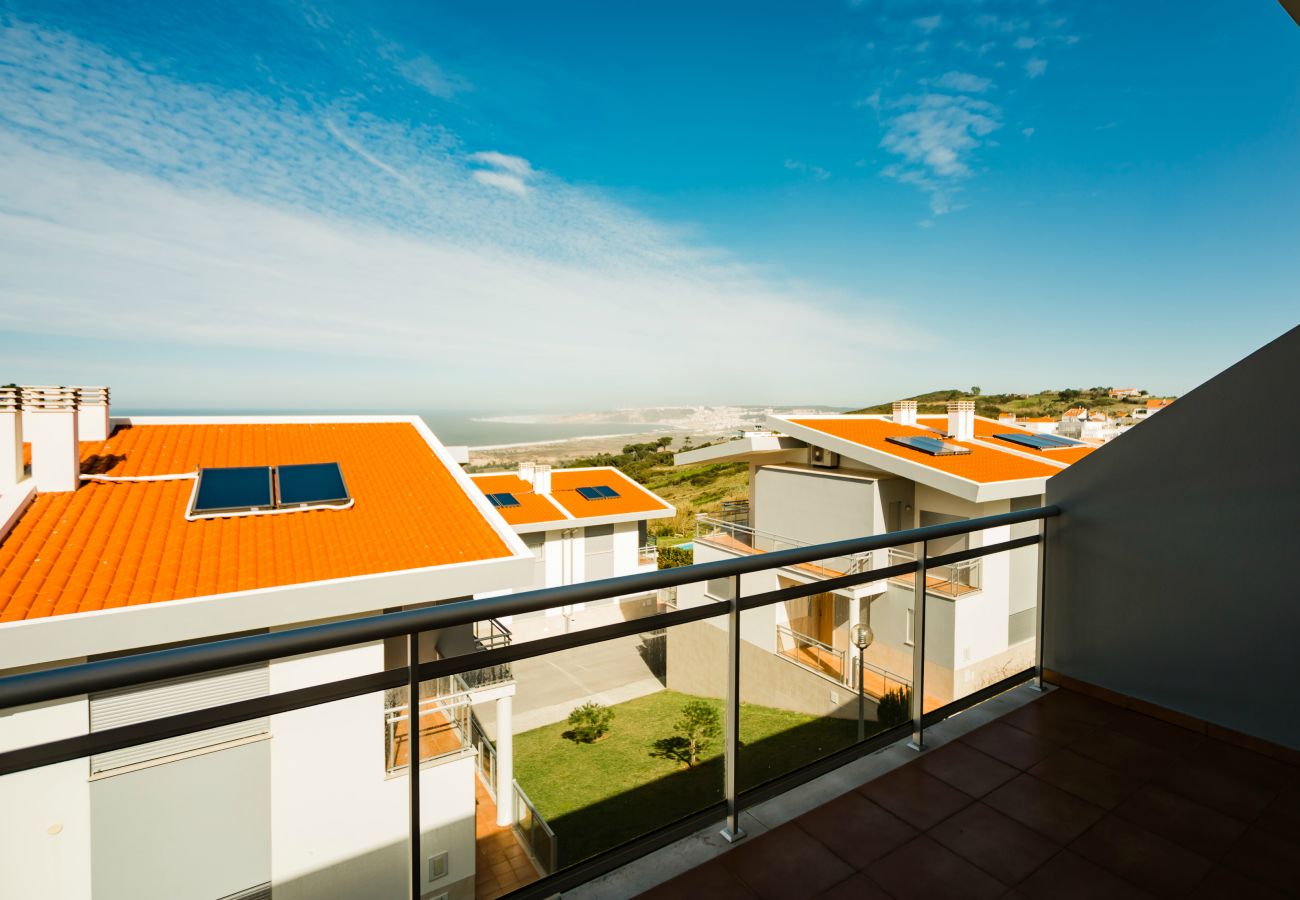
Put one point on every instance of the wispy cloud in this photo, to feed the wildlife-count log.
(1035, 66)
(964, 82)
(928, 23)
(936, 135)
(1026, 43)
(142, 211)
(817, 172)
(509, 173)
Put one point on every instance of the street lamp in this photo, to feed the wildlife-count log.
(862, 638)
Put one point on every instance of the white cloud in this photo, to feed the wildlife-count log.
(936, 135)
(1027, 132)
(1026, 43)
(816, 172)
(1035, 67)
(141, 212)
(928, 23)
(963, 81)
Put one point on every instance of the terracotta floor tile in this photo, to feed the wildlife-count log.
(1083, 707)
(1222, 883)
(772, 863)
(1267, 858)
(1247, 765)
(1102, 785)
(1110, 748)
(712, 879)
(1162, 735)
(1282, 816)
(997, 844)
(856, 887)
(1187, 823)
(855, 829)
(1010, 745)
(925, 870)
(1068, 876)
(1211, 786)
(1052, 723)
(919, 799)
(1045, 808)
(965, 768)
(1142, 858)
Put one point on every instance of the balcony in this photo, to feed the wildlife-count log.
(953, 580)
(741, 539)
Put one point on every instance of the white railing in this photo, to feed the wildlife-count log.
(449, 714)
(951, 580)
(744, 539)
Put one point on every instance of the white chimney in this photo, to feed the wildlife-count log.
(92, 413)
(541, 479)
(11, 437)
(904, 412)
(961, 420)
(50, 414)
(526, 472)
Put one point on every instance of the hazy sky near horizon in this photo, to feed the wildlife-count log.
(518, 206)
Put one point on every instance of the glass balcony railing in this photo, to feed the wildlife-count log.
(950, 580)
(742, 539)
(612, 741)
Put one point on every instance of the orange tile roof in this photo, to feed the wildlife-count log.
(1039, 419)
(631, 497)
(1158, 404)
(111, 545)
(532, 508)
(982, 464)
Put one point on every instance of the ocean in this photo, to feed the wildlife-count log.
(451, 427)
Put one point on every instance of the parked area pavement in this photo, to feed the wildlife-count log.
(549, 686)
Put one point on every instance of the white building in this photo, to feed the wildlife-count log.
(580, 524)
(142, 533)
(827, 478)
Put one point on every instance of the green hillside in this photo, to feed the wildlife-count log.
(1044, 403)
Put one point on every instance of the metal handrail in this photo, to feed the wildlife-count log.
(853, 562)
(52, 684)
(799, 638)
(969, 568)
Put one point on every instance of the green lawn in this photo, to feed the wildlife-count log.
(596, 796)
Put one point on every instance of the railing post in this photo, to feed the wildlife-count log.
(413, 757)
(1038, 613)
(732, 832)
(918, 649)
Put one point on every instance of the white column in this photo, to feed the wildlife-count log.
(505, 761)
(50, 421)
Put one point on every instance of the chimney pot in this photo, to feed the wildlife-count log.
(542, 479)
(51, 415)
(961, 420)
(92, 414)
(526, 470)
(904, 412)
(12, 469)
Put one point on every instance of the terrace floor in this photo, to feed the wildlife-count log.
(1066, 796)
(500, 863)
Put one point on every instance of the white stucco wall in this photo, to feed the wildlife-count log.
(45, 813)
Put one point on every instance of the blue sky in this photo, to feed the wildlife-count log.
(566, 206)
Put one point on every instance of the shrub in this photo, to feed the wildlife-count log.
(589, 723)
(672, 557)
(895, 707)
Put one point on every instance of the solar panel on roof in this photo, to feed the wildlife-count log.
(232, 489)
(606, 492)
(589, 493)
(597, 492)
(311, 484)
(503, 500)
(930, 445)
(1038, 441)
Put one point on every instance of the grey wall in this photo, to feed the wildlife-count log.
(812, 506)
(1173, 574)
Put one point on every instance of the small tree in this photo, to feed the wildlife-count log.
(699, 725)
(672, 557)
(589, 723)
(975, 391)
(895, 707)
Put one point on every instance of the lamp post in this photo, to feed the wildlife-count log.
(862, 638)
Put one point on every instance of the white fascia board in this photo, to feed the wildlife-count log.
(33, 641)
(739, 449)
(1022, 453)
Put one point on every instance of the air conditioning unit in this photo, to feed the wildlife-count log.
(820, 456)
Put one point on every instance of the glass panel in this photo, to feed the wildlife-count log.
(605, 743)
